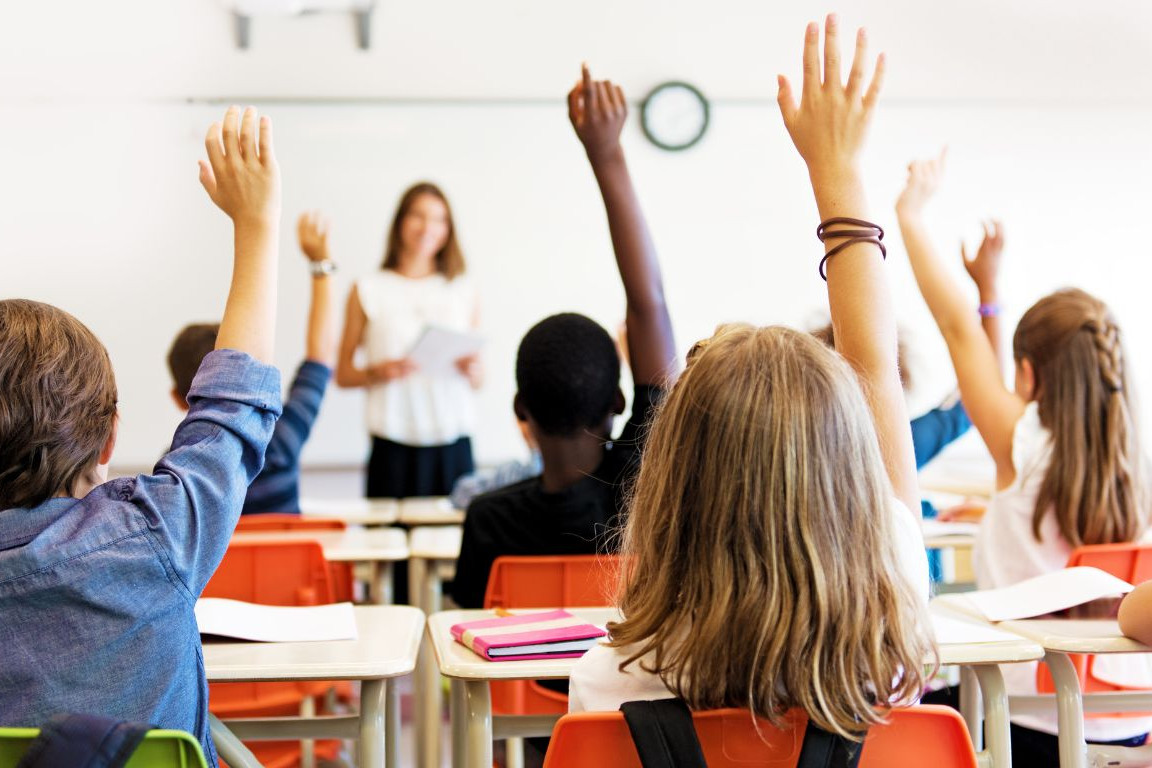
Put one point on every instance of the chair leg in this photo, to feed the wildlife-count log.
(230, 748)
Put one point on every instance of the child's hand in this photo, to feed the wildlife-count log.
(831, 123)
(924, 178)
(241, 175)
(984, 268)
(597, 110)
(312, 232)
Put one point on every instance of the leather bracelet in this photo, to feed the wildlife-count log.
(822, 230)
(873, 240)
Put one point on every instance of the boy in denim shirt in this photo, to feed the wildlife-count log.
(98, 579)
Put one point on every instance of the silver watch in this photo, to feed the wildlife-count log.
(320, 268)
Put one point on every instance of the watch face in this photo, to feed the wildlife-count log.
(674, 116)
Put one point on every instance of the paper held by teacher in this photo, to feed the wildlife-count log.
(437, 349)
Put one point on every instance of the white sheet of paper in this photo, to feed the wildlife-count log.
(950, 631)
(436, 351)
(275, 623)
(935, 528)
(1047, 593)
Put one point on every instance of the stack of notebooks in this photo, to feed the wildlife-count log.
(548, 635)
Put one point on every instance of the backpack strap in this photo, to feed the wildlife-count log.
(824, 749)
(84, 741)
(664, 734)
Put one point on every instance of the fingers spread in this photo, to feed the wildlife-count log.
(811, 59)
(208, 179)
(267, 155)
(856, 74)
(591, 97)
(248, 134)
(873, 94)
(214, 144)
(786, 100)
(231, 129)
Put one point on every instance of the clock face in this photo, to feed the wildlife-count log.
(674, 116)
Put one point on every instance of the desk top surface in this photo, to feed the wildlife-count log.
(432, 510)
(387, 643)
(435, 542)
(1076, 635)
(352, 510)
(350, 545)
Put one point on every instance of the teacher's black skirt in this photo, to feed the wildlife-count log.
(396, 471)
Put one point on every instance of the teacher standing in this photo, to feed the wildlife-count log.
(420, 423)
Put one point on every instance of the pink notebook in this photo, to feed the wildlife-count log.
(546, 635)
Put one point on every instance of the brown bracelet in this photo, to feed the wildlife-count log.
(872, 234)
(874, 240)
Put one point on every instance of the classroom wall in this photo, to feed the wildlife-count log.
(104, 107)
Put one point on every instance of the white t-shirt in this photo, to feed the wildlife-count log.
(1006, 552)
(417, 409)
(598, 685)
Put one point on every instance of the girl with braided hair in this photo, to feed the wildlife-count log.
(1065, 444)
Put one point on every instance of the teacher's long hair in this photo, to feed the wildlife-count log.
(450, 259)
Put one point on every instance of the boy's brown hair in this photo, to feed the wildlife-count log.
(188, 351)
(57, 402)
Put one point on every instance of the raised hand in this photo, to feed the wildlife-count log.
(312, 232)
(924, 177)
(984, 267)
(241, 175)
(831, 123)
(598, 111)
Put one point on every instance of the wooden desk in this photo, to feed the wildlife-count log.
(431, 510)
(379, 548)
(351, 510)
(474, 727)
(1061, 637)
(386, 647)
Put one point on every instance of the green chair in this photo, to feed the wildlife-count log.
(159, 749)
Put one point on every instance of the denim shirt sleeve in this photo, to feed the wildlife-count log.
(192, 499)
(932, 432)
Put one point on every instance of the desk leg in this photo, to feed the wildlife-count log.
(996, 725)
(471, 724)
(392, 724)
(970, 706)
(428, 701)
(1069, 711)
(373, 711)
(382, 583)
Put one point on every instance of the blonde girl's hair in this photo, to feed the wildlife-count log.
(449, 259)
(760, 564)
(1094, 484)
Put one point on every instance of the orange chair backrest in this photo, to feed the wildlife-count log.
(286, 522)
(552, 581)
(273, 573)
(912, 738)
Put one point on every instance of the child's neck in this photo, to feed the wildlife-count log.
(568, 460)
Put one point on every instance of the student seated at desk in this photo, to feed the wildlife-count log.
(98, 578)
(758, 572)
(1068, 464)
(277, 487)
(568, 381)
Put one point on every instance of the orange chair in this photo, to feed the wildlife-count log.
(342, 578)
(271, 573)
(1130, 562)
(912, 738)
(545, 581)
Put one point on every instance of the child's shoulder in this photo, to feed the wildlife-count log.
(509, 500)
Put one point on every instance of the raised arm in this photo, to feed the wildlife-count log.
(243, 179)
(829, 129)
(993, 409)
(598, 111)
(984, 269)
(312, 232)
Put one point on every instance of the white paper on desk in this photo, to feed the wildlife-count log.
(1046, 593)
(937, 529)
(275, 623)
(436, 351)
(950, 631)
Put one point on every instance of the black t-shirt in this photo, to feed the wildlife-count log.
(522, 519)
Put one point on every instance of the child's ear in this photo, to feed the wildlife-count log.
(1026, 384)
(110, 443)
(181, 403)
(519, 409)
(618, 402)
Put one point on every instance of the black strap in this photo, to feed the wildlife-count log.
(664, 734)
(824, 749)
(666, 738)
(84, 741)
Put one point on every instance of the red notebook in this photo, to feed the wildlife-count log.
(547, 635)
